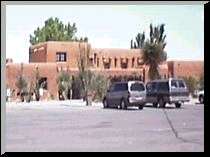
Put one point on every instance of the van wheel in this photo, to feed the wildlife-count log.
(123, 105)
(161, 103)
(201, 99)
(141, 107)
(105, 103)
(155, 105)
(178, 105)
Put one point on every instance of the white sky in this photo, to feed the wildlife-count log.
(110, 26)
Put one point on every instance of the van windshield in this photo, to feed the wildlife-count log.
(137, 87)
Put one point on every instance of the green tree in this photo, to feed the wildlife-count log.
(101, 84)
(192, 84)
(37, 85)
(153, 51)
(85, 75)
(21, 84)
(55, 30)
(140, 40)
(201, 81)
(64, 83)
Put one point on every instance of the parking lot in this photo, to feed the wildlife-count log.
(72, 126)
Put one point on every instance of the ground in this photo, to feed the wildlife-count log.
(72, 126)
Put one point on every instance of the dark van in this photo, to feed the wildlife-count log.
(171, 91)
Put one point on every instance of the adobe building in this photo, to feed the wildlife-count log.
(116, 64)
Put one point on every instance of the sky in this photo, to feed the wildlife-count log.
(110, 26)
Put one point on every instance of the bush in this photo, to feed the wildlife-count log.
(64, 84)
(192, 84)
(201, 82)
(101, 86)
(52, 97)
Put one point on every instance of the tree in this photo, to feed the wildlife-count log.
(55, 30)
(191, 83)
(201, 81)
(153, 51)
(37, 84)
(139, 43)
(101, 84)
(85, 75)
(21, 84)
(64, 84)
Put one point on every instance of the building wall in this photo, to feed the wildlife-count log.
(38, 53)
(188, 68)
(43, 56)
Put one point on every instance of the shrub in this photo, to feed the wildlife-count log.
(64, 84)
(192, 84)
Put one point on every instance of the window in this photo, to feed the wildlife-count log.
(97, 62)
(181, 84)
(106, 65)
(115, 62)
(163, 86)
(137, 87)
(124, 65)
(151, 86)
(61, 56)
(133, 60)
(174, 84)
(43, 82)
(95, 58)
(121, 87)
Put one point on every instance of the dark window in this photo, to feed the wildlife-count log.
(97, 62)
(115, 62)
(163, 86)
(137, 87)
(151, 86)
(61, 56)
(121, 87)
(43, 83)
(124, 65)
(133, 60)
(174, 84)
(106, 66)
(95, 58)
(181, 84)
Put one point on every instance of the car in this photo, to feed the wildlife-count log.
(201, 96)
(171, 91)
(125, 94)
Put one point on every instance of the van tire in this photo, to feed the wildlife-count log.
(161, 103)
(141, 107)
(178, 105)
(123, 105)
(105, 104)
(155, 105)
(201, 99)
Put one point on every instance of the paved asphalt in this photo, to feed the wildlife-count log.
(70, 128)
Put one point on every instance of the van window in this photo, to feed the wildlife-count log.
(181, 84)
(163, 86)
(151, 86)
(174, 84)
(121, 87)
(137, 87)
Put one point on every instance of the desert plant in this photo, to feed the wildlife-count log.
(192, 84)
(64, 83)
(37, 84)
(29, 92)
(21, 84)
(52, 97)
(153, 49)
(201, 81)
(85, 75)
(101, 84)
